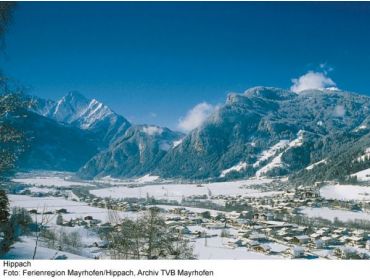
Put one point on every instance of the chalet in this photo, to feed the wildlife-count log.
(296, 252)
(251, 243)
(340, 231)
(262, 248)
(319, 244)
(355, 240)
(323, 230)
(327, 240)
(288, 239)
(315, 236)
(344, 239)
(300, 239)
(258, 237)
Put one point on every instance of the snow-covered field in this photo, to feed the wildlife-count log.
(108, 180)
(147, 178)
(23, 250)
(346, 192)
(75, 209)
(48, 179)
(179, 191)
(363, 175)
(331, 214)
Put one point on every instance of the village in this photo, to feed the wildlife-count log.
(271, 226)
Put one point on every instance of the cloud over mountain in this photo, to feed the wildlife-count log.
(312, 80)
(196, 116)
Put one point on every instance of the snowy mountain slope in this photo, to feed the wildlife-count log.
(136, 153)
(85, 114)
(262, 132)
(255, 133)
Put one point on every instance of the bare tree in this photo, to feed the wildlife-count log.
(146, 237)
(40, 224)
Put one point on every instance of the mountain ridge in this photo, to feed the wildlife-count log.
(264, 131)
(86, 114)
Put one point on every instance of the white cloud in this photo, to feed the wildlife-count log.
(152, 130)
(312, 80)
(326, 68)
(196, 116)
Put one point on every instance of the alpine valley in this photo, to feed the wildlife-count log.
(264, 132)
(270, 174)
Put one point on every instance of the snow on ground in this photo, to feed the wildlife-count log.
(178, 142)
(331, 214)
(179, 191)
(217, 247)
(346, 192)
(72, 196)
(363, 175)
(40, 190)
(52, 179)
(23, 250)
(315, 164)
(146, 179)
(277, 247)
(361, 127)
(276, 161)
(365, 155)
(239, 167)
(214, 248)
(75, 209)
(265, 155)
(108, 180)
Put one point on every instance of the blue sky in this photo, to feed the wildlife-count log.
(153, 62)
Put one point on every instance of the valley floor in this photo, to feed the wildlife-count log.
(247, 219)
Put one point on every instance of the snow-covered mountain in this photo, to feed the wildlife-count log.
(268, 132)
(136, 153)
(262, 132)
(92, 115)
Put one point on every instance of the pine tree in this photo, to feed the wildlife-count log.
(4, 208)
(9, 137)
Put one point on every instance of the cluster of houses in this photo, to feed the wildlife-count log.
(263, 235)
(259, 224)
